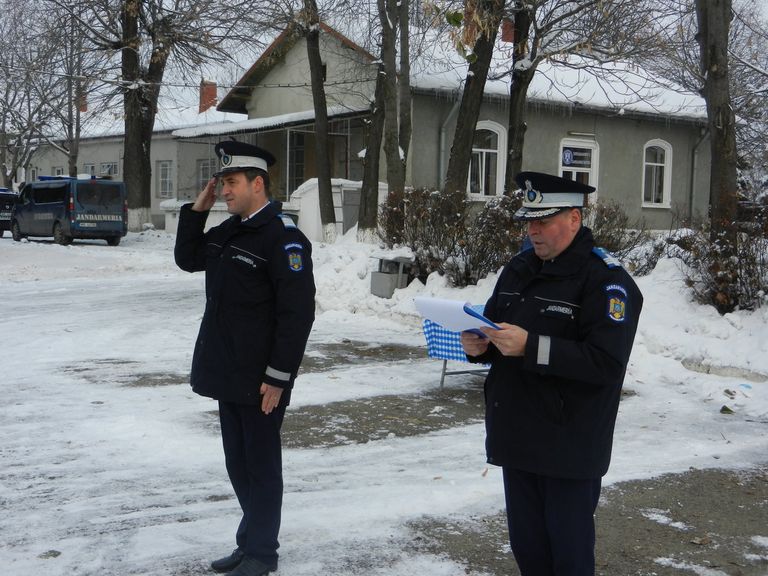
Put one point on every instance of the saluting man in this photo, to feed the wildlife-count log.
(260, 305)
(568, 313)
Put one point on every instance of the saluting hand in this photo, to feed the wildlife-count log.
(207, 197)
(270, 397)
(510, 340)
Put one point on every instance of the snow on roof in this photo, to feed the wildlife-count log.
(619, 87)
(177, 108)
(218, 129)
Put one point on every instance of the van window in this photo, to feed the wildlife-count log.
(99, 194)
(53, 193)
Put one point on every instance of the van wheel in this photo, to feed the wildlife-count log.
(113, 240)
(15, 232)
(59, 237)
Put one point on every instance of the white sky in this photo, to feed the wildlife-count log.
(125, 480)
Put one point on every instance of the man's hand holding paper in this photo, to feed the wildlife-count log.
(509, 339)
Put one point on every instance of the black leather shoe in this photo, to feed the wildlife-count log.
(228, 562)
(249, 566)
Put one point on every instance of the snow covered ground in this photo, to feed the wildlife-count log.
(98, 476)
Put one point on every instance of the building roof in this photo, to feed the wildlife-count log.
(236, 99)
(262, 124)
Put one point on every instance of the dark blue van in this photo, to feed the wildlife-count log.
(68, 208)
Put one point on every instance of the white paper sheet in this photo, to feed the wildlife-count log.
(452, 315)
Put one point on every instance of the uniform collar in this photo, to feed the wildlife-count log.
(254, 214)
(263, 215)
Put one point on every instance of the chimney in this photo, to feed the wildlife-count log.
(208, 97)
(81, 98)
(507, 30)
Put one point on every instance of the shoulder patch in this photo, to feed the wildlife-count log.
(617, 302)
(608, 259)
(287, 221)
(294, 250)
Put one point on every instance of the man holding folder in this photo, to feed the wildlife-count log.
(566, 313)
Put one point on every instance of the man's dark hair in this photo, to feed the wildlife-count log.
(252, 173)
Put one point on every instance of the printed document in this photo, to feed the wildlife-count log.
(453, 315)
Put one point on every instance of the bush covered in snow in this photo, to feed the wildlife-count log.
(448, 235)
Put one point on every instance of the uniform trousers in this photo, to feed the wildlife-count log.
(551, 523)
(254, 464)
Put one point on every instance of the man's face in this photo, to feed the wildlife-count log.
(243, 197)
(550, 236)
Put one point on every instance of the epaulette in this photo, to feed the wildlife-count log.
(608, 259)
(287, 221)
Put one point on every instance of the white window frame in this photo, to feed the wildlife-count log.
(108, 169)
(501, 158)
(594, 169)
(164, 178)
(666, 193)
(58, 171)
(89, 168)
(205, 169)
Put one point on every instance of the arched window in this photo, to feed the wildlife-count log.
(486, 168)
(657, 174)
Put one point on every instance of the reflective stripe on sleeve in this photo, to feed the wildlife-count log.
(272, 373)
(542, 358)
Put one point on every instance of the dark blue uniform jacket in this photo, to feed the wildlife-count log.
(552, 411)
(260, 301)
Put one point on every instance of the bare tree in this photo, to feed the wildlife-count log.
(748, 67)
(147, 36)
(367, 221)
(27, 86)
(78, 98)
(480, 31)
(680, 61)
(393, 17)
(597, 32)
(311, 30)
(714, 17)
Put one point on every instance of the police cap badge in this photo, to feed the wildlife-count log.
(545, 195)
(238, 156)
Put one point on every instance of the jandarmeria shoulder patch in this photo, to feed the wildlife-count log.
(617, 302)
(295, 258)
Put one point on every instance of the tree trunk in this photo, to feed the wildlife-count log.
(404, 82)
(369, 194)
(714, 17)
(388, 16)
(325, 191)
(518, 98)
(471, 100)
(140, 106)
(74, 55)
(4, 164)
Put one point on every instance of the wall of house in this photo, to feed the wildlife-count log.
(103, 150)
(99, 151)
(620, 142)
(349, 81)
(189, 153)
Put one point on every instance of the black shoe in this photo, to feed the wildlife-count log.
(249, 566)
(228, 562)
